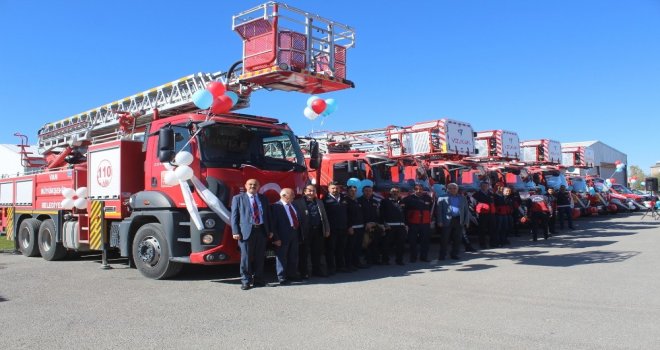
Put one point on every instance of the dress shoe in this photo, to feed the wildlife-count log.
(469, 248)
(285, 282)
(245, 286)
(294, 279)
(259, 284)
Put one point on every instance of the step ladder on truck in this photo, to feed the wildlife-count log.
(151, 176)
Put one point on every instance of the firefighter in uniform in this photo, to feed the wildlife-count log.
(355, 228)
(391, 210)
(418, 207)
(486, 214)
(539, 210)
(371, 213)
(335, 244)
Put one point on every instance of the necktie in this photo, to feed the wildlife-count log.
(255, 211)
(294, 218)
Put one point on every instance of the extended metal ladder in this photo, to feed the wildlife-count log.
(373, 141)
(102, 122)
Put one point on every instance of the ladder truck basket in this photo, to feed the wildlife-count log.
(289, 49)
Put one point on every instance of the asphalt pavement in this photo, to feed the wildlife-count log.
(597, 287)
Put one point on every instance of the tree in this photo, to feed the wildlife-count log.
(636, 172)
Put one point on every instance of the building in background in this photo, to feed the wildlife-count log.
(604, 160)
(655, 169)
(11, 160)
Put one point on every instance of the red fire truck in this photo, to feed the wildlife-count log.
(108, 182)
(575, 159)
(543, 158)
(499, 152)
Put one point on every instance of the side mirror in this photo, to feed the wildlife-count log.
(314, 156)
(165, 144)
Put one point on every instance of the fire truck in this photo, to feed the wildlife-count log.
(151, 175)
(499, 152)
(543, 158)
(442, 147)
(575, 159)
(348, 155)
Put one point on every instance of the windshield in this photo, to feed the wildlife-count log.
(555, 181)
(600, 186)
(579, 185)
(621, 189)
(225, 145)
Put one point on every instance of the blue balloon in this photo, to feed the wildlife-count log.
(353, 182)
(202, 99)
(439, 190)
(330, 106)
(310, 100)
(592, 191)
(367, 182)
(233, 96)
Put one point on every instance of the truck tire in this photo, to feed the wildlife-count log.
(49, 248)
(151, 254)
(28, 234)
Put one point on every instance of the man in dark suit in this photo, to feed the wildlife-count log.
(451, 215)
(251, 225)
(315, 228)
(286, 229)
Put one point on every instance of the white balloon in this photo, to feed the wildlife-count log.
(310, 114)
(81, 192)
(68, 192)
(80, 203)
(184, 172)
(311, 99)
(67, 203)
(169, 178)
(183, 158)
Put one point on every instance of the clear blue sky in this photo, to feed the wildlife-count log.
(569, 70)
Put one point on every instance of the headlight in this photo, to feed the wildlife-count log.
(209, 223)
(207, 239)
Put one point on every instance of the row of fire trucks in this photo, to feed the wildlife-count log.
(437, 152)
(151, 175)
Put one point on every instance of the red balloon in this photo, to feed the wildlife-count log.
(613, 180)
(216, 88)
(617, 162)
(221, 104)
(318, 105)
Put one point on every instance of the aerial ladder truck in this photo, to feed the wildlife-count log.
(499, 152)
(151, 176)
(577, 159)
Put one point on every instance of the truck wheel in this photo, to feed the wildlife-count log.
(48, 246)
(27, 237)
(151, 253)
